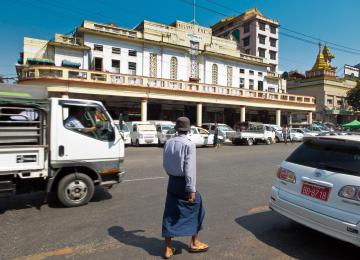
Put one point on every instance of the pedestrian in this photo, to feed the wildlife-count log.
(289, 134)
(184, 212)
(216, 136)
(285, 133)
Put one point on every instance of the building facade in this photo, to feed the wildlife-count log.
(330, 91)
(158, 71)
(254, 33)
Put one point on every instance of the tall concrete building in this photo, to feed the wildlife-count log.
(158, 71)
(254, 33)
(330, 92)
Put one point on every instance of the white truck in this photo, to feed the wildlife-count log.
(61, 145)
(254, 134)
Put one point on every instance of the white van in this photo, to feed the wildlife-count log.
(142, 133)
(161, 128)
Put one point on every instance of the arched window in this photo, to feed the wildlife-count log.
(173, 68)
(214, 74)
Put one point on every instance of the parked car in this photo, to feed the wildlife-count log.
(334, 133)
(296, 134)
(305, 131)
(318, 185)
(125, 132)
(161, 128)
(226, 133)
(199, 136)
(142, 133)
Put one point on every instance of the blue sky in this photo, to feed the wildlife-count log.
(332, 21)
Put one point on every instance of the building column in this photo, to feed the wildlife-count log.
(242, 114)
(290, 119)
(310, 118)
(278, 117)
(144, 102)
(199, 114)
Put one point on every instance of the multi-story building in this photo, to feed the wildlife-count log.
(255, 34)
(158, 71)
(330, 91)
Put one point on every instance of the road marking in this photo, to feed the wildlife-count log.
(145, 179)
(82, 249)
(258, 209)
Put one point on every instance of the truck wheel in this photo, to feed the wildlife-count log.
(268, 141)
(250, 142)
(75, 190)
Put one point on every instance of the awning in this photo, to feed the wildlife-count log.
(38, 61)
(67, 63)
(354, 124)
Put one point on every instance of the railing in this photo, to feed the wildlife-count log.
(63, 73)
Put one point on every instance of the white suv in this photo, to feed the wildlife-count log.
(318, 185)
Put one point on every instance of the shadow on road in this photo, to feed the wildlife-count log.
(151, 245)
(293, 239)
(38, 199)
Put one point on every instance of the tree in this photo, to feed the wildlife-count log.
(1, 80)
(285, 75)
(353, 97)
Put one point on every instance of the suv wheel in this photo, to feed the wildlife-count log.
(268, 141)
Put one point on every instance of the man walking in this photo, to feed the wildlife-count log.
(285, 133)
(184, 212)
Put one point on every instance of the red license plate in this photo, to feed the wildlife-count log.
(315, 191)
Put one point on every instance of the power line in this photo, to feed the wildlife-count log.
(346, 49)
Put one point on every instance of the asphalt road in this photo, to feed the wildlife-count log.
(125, 223)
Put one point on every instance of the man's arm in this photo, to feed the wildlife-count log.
(190, 171)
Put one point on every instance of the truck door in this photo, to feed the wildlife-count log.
(83, 133)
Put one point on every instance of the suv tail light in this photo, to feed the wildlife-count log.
(286, 175)
(350, 192)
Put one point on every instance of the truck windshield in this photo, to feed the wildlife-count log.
(90, 121)
(124, 127)
(333, 156)
(146, 127)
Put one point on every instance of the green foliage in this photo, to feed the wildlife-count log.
(353, 97)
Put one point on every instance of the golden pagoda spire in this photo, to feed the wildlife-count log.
(321, 62)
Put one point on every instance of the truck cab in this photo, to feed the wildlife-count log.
(64, 145)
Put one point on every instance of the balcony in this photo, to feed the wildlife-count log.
(88, 76)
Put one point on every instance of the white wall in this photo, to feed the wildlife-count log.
(164, 55)
(222, 72)
(70, 55)
(107, 55)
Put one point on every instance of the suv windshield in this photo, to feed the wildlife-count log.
(332, 156)
(166, 127)
(146, 127)
(225, 128)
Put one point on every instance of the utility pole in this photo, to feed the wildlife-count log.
(194, 13)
